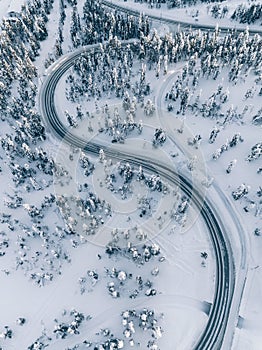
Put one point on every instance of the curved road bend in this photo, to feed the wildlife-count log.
(182, 24)
(213, 334)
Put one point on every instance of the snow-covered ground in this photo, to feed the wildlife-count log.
(185, 280)
(7, 6)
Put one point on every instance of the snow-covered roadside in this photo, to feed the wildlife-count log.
(245, 172)
(179, 253)
(7, 6)
(188, 14)
(231, 127)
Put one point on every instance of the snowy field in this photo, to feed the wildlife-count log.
(9, 5)
(95, 251)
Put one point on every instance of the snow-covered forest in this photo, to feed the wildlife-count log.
(118, 130)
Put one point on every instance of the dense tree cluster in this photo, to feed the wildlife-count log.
(218, 11)
(98, 24)
(122, 180)
(26, 160)
(139, 255)
(109, 69)
(22, 144)
(134, 323)
(62, 330)
(82, 214)
(86, 164)
(218, 54)
(240, 192)
(256, 152)
(227, 145)
(100, 72)
(19, 45)
(248, 14)
(122, 283)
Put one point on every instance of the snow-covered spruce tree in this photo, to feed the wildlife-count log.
(75, 27)
(248, 14)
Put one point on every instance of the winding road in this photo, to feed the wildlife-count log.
(213, 335)
(182, 24)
